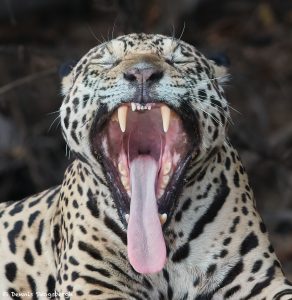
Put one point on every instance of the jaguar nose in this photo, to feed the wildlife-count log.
(144, 75)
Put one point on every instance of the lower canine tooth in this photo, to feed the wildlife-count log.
(163, 218)
(127, 217)
(133, 106)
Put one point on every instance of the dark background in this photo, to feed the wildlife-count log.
(38, 36)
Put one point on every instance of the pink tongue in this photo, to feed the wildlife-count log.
(146, 246)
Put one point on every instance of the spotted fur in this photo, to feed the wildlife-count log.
(70, 239)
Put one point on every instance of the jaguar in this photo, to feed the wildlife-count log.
(156, 204)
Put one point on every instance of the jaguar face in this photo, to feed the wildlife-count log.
(142, 107)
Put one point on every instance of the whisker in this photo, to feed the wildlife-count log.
(202, 110)
(220, 111)
(58, 117)
(53, 112)
(182, 32)
(93, 34)
(114, 27)
(86, 122)
(173, 32)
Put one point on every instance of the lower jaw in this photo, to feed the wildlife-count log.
(151, 225)
(166, 195)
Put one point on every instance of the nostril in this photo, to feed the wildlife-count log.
(155, 76)
(130, 76)
(143, 75)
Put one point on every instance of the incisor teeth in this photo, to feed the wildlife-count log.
(162, 218)
(122, 116)
(165, 114)
(133, 106)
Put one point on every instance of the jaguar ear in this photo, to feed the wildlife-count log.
(66, 75)
(220, 63)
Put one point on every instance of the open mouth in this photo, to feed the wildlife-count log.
(144, 151)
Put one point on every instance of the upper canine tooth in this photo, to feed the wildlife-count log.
(165, 113)
(122, 116)
(133, 105)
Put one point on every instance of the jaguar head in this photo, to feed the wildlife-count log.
(141, 108)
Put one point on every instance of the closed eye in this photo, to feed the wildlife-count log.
(179, 62)
(107, 64)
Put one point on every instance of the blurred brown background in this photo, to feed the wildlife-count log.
(38, 36)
